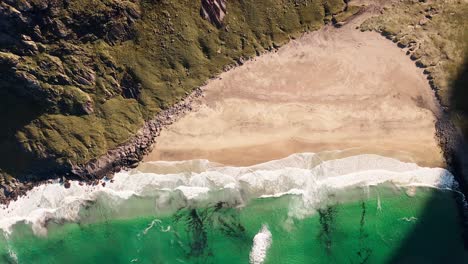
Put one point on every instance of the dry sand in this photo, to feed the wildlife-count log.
(333, 89)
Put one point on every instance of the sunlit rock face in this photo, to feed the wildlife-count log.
(214, 11)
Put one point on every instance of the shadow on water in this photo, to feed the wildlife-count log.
(429, 242)
(438, 235)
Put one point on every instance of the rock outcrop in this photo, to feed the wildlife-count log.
(43, 48)
(214, 11)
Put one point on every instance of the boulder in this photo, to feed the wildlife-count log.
(214, 11)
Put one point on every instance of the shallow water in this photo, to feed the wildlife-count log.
(253, 218)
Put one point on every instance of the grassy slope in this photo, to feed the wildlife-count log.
(172, 52)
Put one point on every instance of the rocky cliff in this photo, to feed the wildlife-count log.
(81, 78)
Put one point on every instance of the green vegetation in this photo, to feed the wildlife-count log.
(96, 70)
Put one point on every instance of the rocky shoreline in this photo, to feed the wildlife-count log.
(450, 139)
(74, 85)
(125, 156)
(455, 154)
(128, 155)
(131, 153)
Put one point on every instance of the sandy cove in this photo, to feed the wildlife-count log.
(332, 89)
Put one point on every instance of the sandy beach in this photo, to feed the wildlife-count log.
(333, 89)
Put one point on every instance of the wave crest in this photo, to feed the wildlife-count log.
(172, 185)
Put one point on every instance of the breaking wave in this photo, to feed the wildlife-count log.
(261, 244)
(173, 185)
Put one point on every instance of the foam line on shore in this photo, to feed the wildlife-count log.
(191, 183)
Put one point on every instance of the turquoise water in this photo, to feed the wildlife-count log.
(382, 224)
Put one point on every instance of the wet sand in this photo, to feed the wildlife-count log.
(333, 89)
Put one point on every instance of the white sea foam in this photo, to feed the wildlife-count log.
(156, 222)
(409, 219)
(12, 255)
(261, 243)
(186, 183)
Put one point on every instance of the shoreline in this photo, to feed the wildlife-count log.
(449, 138)
(126, 156)
(332, 89)
(129, 155)
(300, 173)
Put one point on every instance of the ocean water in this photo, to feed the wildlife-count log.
(301, 209)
